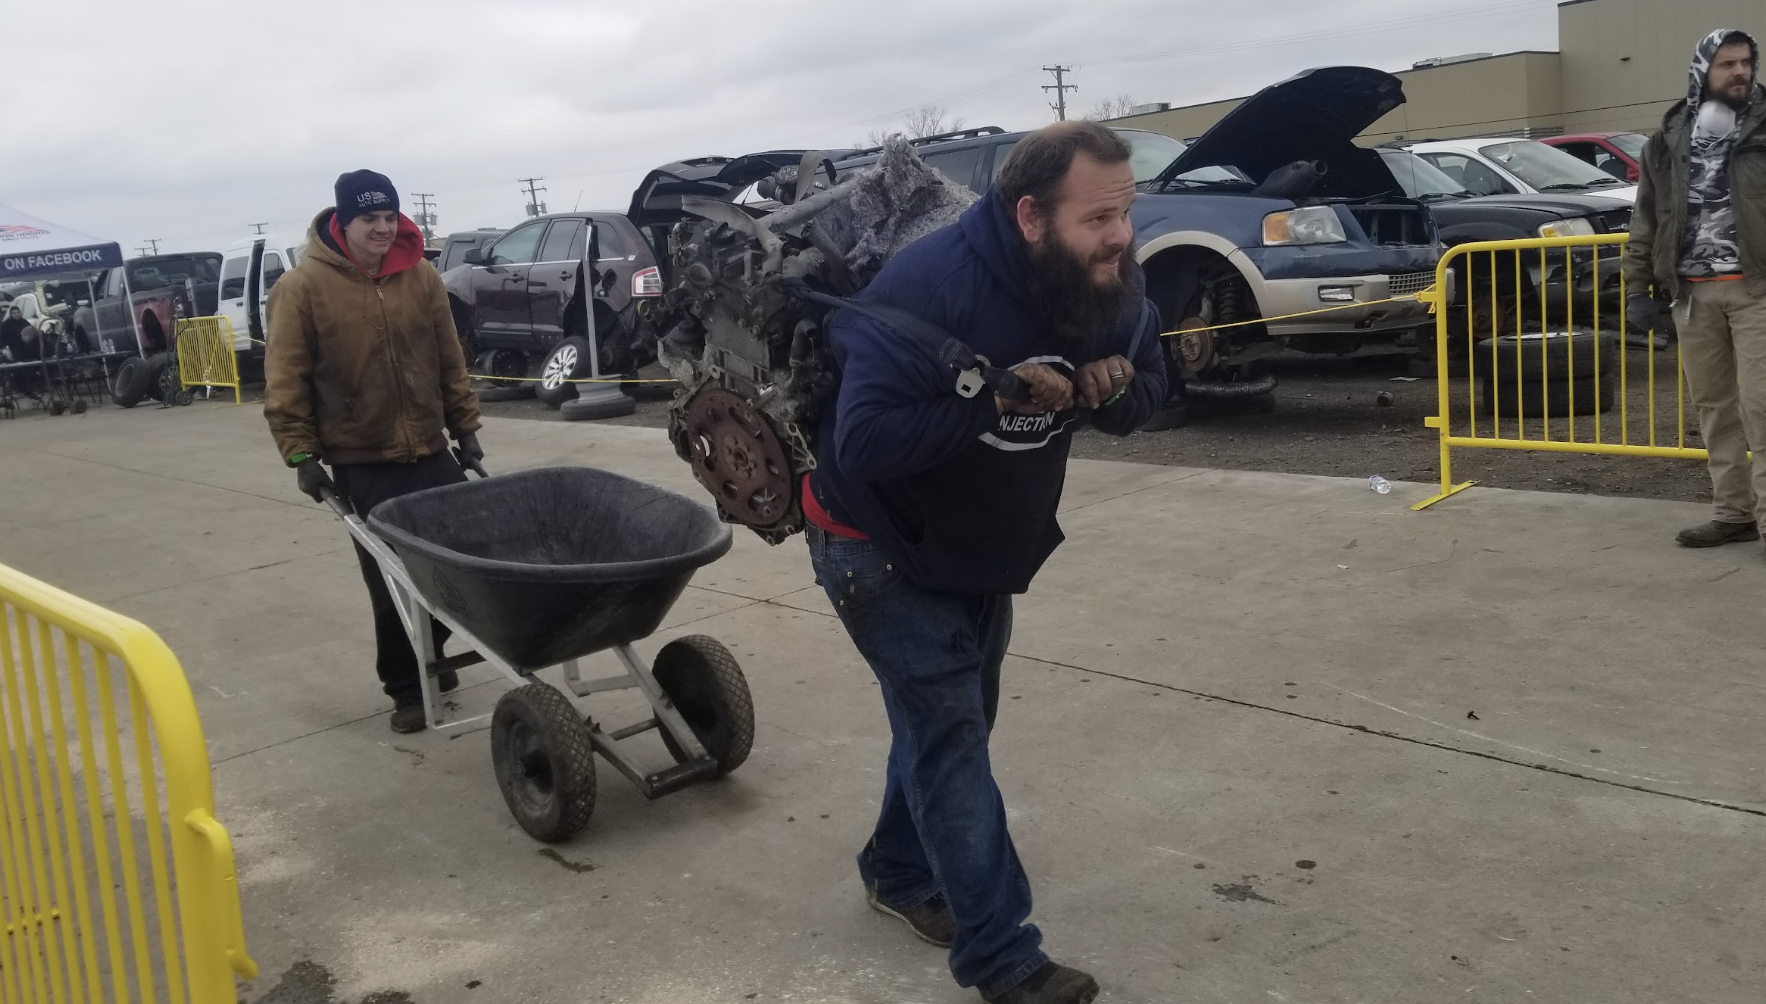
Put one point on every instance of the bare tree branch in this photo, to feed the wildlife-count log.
(1113, 108)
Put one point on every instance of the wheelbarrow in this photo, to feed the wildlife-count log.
(540, 569)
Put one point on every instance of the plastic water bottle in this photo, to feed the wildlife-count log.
(1380, 485)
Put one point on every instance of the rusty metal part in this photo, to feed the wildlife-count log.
(1195, 351)
(738, 455)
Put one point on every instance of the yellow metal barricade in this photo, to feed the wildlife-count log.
(205, 353)
(116, 881)
(1536, 355)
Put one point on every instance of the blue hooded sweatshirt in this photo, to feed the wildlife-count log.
(960, 497)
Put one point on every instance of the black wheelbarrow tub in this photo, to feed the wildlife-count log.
(551, 564)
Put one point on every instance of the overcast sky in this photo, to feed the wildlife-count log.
(185, 121)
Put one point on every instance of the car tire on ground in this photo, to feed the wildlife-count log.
(129, 385)
(1587, 395)
(568, 360)
(1566, 354)
(544, 762)
(583, 409)
(508, 365)
(703, 681)
(157, 364)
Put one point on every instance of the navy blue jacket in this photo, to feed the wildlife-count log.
(961, 497)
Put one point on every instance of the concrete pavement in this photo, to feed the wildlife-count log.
(1265, 738)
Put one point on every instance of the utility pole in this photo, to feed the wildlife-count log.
(259, 227)
(534, 206)
(1060, 87)
(141, 251)
(425, 218)
(153, 241)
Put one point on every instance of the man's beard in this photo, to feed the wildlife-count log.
(1737, 102)
(1064, 293)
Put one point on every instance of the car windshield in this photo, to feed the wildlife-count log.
(1151, 153)
(1546, 168)
(1419, 178)
(1629, 143)
(169, 270)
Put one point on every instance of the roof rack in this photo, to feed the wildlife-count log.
(943, 137)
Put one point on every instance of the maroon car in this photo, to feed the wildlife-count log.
(1617, 153)
(518, 301)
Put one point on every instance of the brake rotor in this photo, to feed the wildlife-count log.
(1195, 349)
(739, 458)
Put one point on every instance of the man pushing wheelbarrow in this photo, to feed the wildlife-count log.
(363, 371)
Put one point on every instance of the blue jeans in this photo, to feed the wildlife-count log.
(942, 830)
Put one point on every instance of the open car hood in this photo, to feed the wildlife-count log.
(657, 201)
(1313, 115)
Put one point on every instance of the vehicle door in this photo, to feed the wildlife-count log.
(499, 284)
(237, 271)
(616, 259)
(270, 268)
(552, 280)
(116, 322)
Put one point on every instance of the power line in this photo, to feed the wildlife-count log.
(534, 206)
(1060, 87)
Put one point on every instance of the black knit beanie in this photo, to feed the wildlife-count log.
(364, 191)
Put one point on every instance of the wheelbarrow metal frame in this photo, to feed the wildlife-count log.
(414, 613)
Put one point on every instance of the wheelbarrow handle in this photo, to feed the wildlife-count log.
(336, 502)
(470, 464)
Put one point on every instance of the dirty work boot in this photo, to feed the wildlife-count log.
(407, 716)
(931, 921)
(1716, 532)
(1051, 984)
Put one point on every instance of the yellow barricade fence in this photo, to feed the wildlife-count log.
(116, 881)
(1536, 355)
(205, 353)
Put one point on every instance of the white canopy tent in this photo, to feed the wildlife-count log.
(35, 249)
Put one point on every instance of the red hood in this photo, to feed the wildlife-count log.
(406, 250)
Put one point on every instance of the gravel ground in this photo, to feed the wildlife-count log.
(1328, 420)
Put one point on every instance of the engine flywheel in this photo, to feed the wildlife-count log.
(738, 456)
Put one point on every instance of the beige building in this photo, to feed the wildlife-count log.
(1620, 64)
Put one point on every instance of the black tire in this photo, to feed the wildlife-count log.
(568, 360)
(586, 409)
(1565, 355)
(506, 364)
(544, 762)
(1558, 399)
(157, 364)
(703, 681)
(129, 385)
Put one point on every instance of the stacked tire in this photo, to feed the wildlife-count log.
(1554, 374)
(140, 378)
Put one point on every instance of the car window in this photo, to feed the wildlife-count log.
(1629, 143)
(559, 239)
(272, 269)
(1419, 178)
(609, 242)
(1151, 153)
(233, 278)
(1470, 173)
(999, 159)
(956, 165)
(1545, 168)
(518, 247)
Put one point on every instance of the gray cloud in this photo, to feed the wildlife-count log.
(183, 119)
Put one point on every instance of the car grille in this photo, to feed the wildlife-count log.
(1616, 222)
(1410, 282)
(1391, 226)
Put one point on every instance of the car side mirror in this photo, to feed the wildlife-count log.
(474, 257)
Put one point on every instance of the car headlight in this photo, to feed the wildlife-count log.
(1578, 226)
(1311, 225)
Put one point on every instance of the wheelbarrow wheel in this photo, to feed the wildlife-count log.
(703, 681)
(544, 762)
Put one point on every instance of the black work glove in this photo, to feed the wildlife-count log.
(469, 445)
(311, 477)
(1642, 312)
